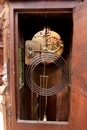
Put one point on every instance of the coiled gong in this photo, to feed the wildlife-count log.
(43, 59)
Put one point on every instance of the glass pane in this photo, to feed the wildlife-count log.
(20, 66)
(20, 54)
(20, 79)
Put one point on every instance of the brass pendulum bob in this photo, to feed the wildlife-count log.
(44, 118)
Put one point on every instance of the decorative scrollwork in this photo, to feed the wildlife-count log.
(4, 16)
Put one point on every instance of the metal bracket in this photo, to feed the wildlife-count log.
(30, 51)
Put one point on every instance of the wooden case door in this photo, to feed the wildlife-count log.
(78, 116)
(79, 45)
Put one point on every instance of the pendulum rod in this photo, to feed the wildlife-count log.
(32, 104)
(40, 101)
(32, 98)
(45, 100)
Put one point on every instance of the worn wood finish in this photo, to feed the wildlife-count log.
(22, 125)
(1, 65)
(44, 5)
(78, 115)
(1, 51)
(3, 60)
(46, 1)
(39, 125)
